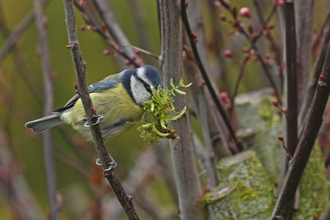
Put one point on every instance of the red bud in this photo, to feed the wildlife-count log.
(245, 11)
(106, 52)
(75, 86)
(228, 53)
(275, 102)
(281, 138)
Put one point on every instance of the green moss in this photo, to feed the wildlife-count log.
(255, 191)
(154, 123)
(313, 188)
(256, 112)
(223, 202)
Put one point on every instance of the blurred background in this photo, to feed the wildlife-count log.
(144, 170)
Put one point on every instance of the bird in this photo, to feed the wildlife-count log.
(118, 99)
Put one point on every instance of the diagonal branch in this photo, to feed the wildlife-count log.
(206, 78)
(79, 64)
(309, 133)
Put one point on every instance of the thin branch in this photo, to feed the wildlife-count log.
(320, 34)
(311, 87)
(275, 47)
(48, 106)
(254, 46)
(212, 171)
(17, 32)
(306, 143)
(113, 28)
(241, 73)
(9, 44)
(97, 28)
(206, 78)
(124, 199)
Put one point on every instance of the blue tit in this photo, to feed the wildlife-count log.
(118, 98)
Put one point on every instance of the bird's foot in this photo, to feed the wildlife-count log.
(112, 163)
(99, 119)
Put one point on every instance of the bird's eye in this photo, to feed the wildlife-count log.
(148, 88)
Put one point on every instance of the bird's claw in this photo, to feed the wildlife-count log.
(99, 119)
(112, 163)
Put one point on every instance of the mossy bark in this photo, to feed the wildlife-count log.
(313, 188)
(223, 202)
(256, 197)
(261, 126)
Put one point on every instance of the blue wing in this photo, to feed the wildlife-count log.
(99, 86)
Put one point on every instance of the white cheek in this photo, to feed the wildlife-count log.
(140, 94)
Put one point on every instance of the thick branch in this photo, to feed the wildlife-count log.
(79, 64)
(184, 167)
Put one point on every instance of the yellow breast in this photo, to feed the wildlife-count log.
(115, 105)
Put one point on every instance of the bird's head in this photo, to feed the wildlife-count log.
(141, 83)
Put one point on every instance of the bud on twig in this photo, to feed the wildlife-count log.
(245, 12)
(228, 53)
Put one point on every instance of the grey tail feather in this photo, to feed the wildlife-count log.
(42, 124)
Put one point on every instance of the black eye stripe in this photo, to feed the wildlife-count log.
(146, 85)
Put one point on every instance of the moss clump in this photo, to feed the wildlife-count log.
(154, 123)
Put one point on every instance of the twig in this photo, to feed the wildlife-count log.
(10, 44)
(254, 46)
(273, 44)
(99, 30)
(113, 28)
(237, 83)
(319, 36)
(217, 135)
(306, 143)
(292, 96)
(185, 172)
(311, 87)
(143, 38)
(206, 78)
(16, 33)
(124, 199)
(48, 106)
(143, 51)
(212, 172)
